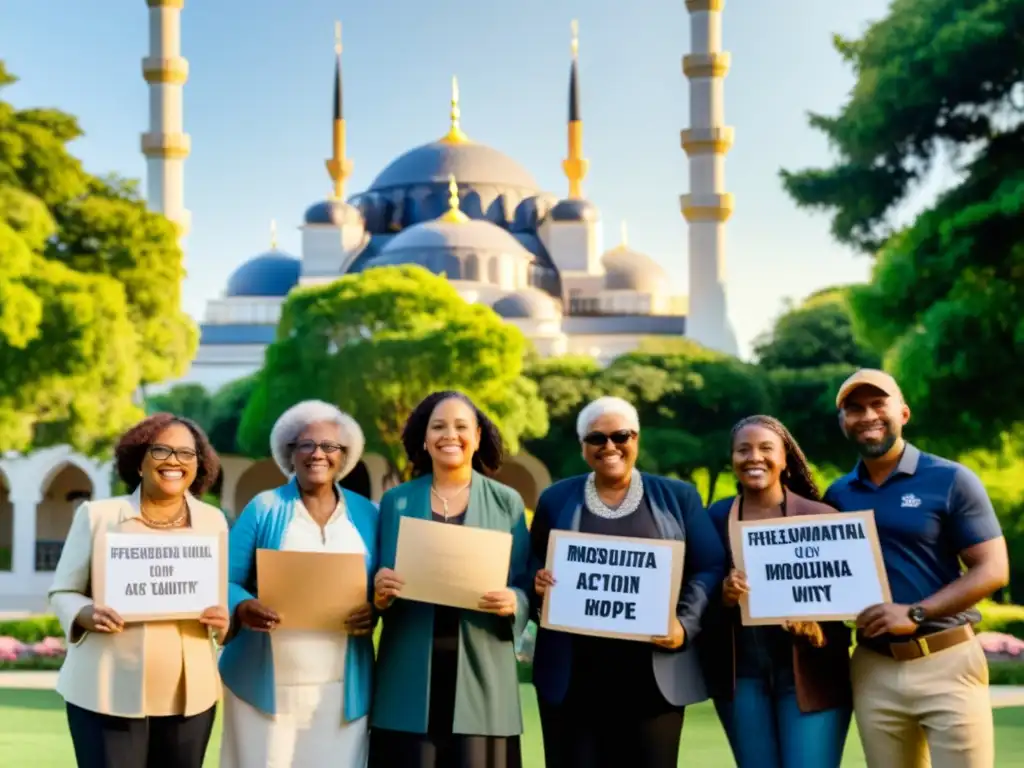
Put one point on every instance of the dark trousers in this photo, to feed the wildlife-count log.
(576, 738)
(106, 741)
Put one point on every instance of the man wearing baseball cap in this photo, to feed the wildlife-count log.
(920, 677)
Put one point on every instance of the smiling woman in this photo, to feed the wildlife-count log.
(582, 681)
(293, 695)
(162, 712)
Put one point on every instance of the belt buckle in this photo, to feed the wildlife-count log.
(922, 644)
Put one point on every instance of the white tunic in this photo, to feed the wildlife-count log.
(309, 675)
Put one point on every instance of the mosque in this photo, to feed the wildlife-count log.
(454, 206)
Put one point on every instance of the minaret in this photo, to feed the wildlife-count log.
(273, 234)
(338, 166)
(575, 165)
(166, 145)
(708, 206)
(455, 133)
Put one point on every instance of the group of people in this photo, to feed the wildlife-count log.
(441, 689)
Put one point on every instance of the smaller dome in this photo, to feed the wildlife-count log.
(575, 210)
(273, 273)
(471, 235)
(628, 270)
(529, 303)
(335, 213)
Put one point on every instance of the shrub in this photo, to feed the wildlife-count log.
(1005, 673)
(1004, 619)
(32, 630)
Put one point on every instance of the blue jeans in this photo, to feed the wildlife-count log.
(766, 728)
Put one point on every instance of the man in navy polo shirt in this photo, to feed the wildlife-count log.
(920, 678)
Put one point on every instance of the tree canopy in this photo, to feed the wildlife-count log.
(937, 82)
(89, 290)
(378, 342)
(687, 400)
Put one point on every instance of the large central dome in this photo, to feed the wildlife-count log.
(471, 163)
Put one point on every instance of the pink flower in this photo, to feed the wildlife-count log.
(1000, 643)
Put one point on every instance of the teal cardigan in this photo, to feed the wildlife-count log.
(487, 687)
(247, 663)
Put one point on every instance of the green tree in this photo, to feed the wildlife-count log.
(818, 332)
(687, 400)
(936, 81)
(219, 413)
(376, 343)
(808, 352)
(72, 347)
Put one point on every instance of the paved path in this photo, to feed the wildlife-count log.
(1002, 695)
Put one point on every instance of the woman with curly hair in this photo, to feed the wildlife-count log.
(447, 692)
(141, 694)
(782, 693)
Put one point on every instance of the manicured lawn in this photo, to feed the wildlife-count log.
(33, 733)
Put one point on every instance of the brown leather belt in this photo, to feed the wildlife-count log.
(926, 645)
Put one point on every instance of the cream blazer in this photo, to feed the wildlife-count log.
(104, 672)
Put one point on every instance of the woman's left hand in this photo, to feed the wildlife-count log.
(811, 630)
(360, 621)
(674, 639)
(216, 618)
(502, 602)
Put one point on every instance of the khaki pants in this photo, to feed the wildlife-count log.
(938, 704)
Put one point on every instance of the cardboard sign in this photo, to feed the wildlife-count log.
(311, 590)
(452, 565)
(809, 568)
(160, 576)
(610, 586)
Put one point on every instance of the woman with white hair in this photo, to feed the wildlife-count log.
(293, 697)
(608, 702)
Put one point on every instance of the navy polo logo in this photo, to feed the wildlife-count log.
(910, 501)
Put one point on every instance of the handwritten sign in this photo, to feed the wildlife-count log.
(812, 568)
(165, 576)
(607, 586)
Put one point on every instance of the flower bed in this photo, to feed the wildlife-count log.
(44, 654)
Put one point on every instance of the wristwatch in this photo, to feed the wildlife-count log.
(917, 614)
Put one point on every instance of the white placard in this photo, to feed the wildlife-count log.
(611, 586)
(160, 575)
(813, 568)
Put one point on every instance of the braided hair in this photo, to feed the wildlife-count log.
(796, 477)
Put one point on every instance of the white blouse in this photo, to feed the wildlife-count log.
(305, 657)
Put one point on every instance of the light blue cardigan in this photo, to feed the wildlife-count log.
(247, 663)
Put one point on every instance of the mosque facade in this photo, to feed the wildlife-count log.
(454, 206)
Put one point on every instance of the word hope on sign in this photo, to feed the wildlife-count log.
(612, 587)
(813, 568)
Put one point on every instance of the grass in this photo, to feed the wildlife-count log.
(33, 732)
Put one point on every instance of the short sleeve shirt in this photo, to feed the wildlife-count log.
(927, 512)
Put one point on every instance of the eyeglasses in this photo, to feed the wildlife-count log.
(619, 437)
(164, 452)
(308, 447)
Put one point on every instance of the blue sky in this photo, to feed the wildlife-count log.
(257, 106)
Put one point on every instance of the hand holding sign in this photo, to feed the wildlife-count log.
(256, 616)
(95, 618)
(542, 581)
(674, 639)
(216, 618)
(360, 621)
(734, 587)
(387, 585)
(502, 602)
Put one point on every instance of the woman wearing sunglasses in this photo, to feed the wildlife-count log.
(294, 696)
(141, 694)
(607, 702)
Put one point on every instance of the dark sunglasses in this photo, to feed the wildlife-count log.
(619, 437)
(164, 452)
(308, 447)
